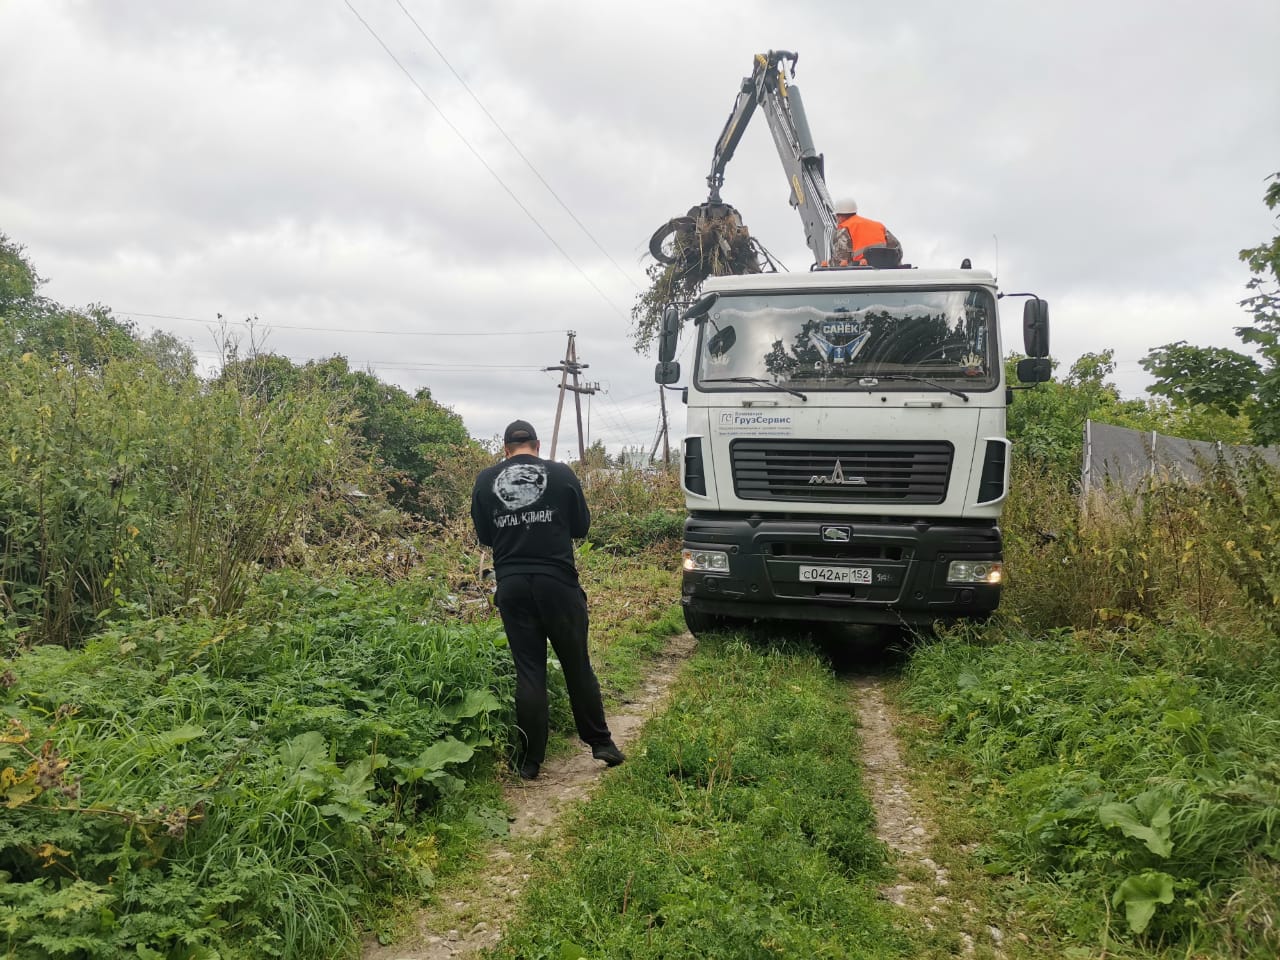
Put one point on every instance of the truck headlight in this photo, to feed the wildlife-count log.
(711, 561)
(975, 571)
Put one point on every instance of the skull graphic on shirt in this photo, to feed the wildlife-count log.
(520, 484)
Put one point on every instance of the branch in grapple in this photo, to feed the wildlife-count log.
(710, 241)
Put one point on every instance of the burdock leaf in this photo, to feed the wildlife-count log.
(476, 701)
(305, 750)
(1125, 817)
(1140, 894)
(444, 752)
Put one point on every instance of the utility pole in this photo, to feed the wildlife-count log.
(570, 367)
(666, 443)
(564, 376)
(660, 435)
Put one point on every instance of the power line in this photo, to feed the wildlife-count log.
(476, 153)
(400, 364)
(633, 396)
(395, 333)
(620, 417)
(520, 153)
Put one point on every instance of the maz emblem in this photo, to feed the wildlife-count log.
(839, 479)
(836, 534)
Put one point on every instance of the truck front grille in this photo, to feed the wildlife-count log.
(841, 471)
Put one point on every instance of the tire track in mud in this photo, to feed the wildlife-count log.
(905, 827)
(470, 914)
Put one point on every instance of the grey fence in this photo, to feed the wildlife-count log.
(1125, 458)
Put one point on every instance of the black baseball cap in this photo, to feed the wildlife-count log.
(519, 431)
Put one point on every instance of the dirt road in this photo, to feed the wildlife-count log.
(470, 915)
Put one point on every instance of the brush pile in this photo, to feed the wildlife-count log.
(710, 241)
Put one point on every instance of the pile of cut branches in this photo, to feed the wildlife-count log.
(710, 241)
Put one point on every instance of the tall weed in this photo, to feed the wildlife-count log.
(634, 510)
(127, 487)
(1242, 527)
(1168, 550)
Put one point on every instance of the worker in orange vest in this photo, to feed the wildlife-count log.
(854, 234)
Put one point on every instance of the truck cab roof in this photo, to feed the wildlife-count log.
(842, 279)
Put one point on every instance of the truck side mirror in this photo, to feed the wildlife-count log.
(702, 306)
(1035, 370)
(667, 372)
(1035, 328)
(668, 334)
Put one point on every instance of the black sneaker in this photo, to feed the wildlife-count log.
(609, 753)
(529, 770)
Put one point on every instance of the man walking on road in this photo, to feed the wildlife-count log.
(529, 510)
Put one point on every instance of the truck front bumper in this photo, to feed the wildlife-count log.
(907, 563)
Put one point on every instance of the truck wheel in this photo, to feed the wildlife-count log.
(700, 623)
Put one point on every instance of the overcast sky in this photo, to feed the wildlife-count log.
(271, 159)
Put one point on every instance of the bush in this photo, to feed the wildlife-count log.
(1168, 550)
(126, 487)
(634, 510)
(421, 446)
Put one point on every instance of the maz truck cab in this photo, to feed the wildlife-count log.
(845, 456)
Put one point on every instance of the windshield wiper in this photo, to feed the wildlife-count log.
(907, 376)
(760, 382)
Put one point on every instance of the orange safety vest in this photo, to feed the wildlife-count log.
(863, 232)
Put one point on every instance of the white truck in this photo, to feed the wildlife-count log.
(845, 456)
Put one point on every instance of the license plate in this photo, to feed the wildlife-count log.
(835, 574)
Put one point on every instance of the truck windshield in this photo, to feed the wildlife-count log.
(849, 340)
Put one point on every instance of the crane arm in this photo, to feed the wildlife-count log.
(768, 90)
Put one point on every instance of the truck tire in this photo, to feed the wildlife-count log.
(700, 623)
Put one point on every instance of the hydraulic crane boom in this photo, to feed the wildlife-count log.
(767, 88)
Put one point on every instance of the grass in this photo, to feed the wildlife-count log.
(1124, 786)
(248, 785)
(736, 829)
(632, 612)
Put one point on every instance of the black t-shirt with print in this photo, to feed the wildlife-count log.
(529, 510)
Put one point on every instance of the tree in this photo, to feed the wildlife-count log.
(18, 279)
(1046, 423)
(1213, 376)
(597, 457)
(88, 338)
(1264, 333)
(1200, 382)
(412, 435)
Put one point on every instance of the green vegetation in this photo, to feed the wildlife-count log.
(84, 339)
(635, 510)
(1047, 423)
(1171, 550)
(1110, 743)
(123, 489)
(1129, 780)
(736, 829)
(131, 487)
(243, 786)
(1112, 740)
(427, 457)
(257, 784)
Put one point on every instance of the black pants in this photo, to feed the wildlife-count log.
(536, 608)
